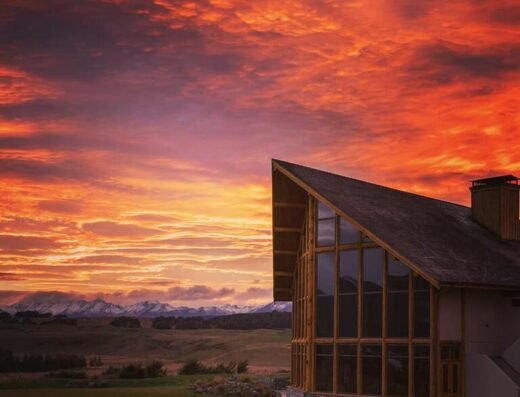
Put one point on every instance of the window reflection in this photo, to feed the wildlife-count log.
(373, 262)
(326, 232)
(421, 371)
(325, 264)
(371, 369)
(324, 367)
(324, 211)
(347, 369)
(347, 232)
(348, 293)
(397, 370)
(421, 299)
(398, 286)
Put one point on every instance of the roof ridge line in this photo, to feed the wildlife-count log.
(372, 183)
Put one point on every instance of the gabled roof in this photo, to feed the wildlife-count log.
(438, 239)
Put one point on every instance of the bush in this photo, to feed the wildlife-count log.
(133, 371)
(126, 322)
(95, 361)
(192, 367)
(112, 372)
(155, 369)
(36, 362)
(243, 367)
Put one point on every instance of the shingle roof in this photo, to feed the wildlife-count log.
(439, 238)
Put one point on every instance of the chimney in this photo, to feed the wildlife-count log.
(494, 204)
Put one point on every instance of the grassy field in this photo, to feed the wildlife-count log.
(268, 351)
(174, 386)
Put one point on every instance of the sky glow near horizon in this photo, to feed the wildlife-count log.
(136, 136)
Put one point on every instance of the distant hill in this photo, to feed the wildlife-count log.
(150, 309)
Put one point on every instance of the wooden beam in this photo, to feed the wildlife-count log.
(285, 252)
(281, 229)
(280, 204)
(283, 274)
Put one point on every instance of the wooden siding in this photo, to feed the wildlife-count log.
(497, 209)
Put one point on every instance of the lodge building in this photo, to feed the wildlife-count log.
(396, 294)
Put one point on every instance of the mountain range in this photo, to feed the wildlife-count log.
(101, 308)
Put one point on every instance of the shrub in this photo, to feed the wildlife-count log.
(95, 361)
(36, 362)
(111, 372)
(243, 367)
(126, 322)
(155, 369)
(133, 371)
(192, 367)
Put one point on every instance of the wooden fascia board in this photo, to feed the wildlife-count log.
(394, 252)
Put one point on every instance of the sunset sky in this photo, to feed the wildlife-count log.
(136, 136)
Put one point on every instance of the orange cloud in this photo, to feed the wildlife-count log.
(135, 154)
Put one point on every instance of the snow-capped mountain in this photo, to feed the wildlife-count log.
(273, 307)
(101, 308)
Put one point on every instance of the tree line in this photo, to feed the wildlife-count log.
(247, 321)
(37, 362)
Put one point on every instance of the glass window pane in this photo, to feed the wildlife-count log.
(326, 232)
(398, 286)
(325, 316)
(371, 369)
(324, 211)
(397, 370)
(372, 314)
(373, 261)
(325, 263)
(348, 271)
(324, 368)
(348, 315)
(347, 369)
(421, 371)
(397, 314)
(421, 300)
(397, 275)
(348, 233)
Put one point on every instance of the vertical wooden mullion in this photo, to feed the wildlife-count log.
(384, 331)
(411, 322)
(435, 366)
(462, 357)
(359, 379)
(335, 331)
(312, 291)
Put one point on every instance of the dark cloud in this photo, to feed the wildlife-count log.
(61, 206)
(50, 297)
(22, 243)
(254, 293)
(443, 63)
(114, 229)
(43, 170)
(198, 292)
(10, 277)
